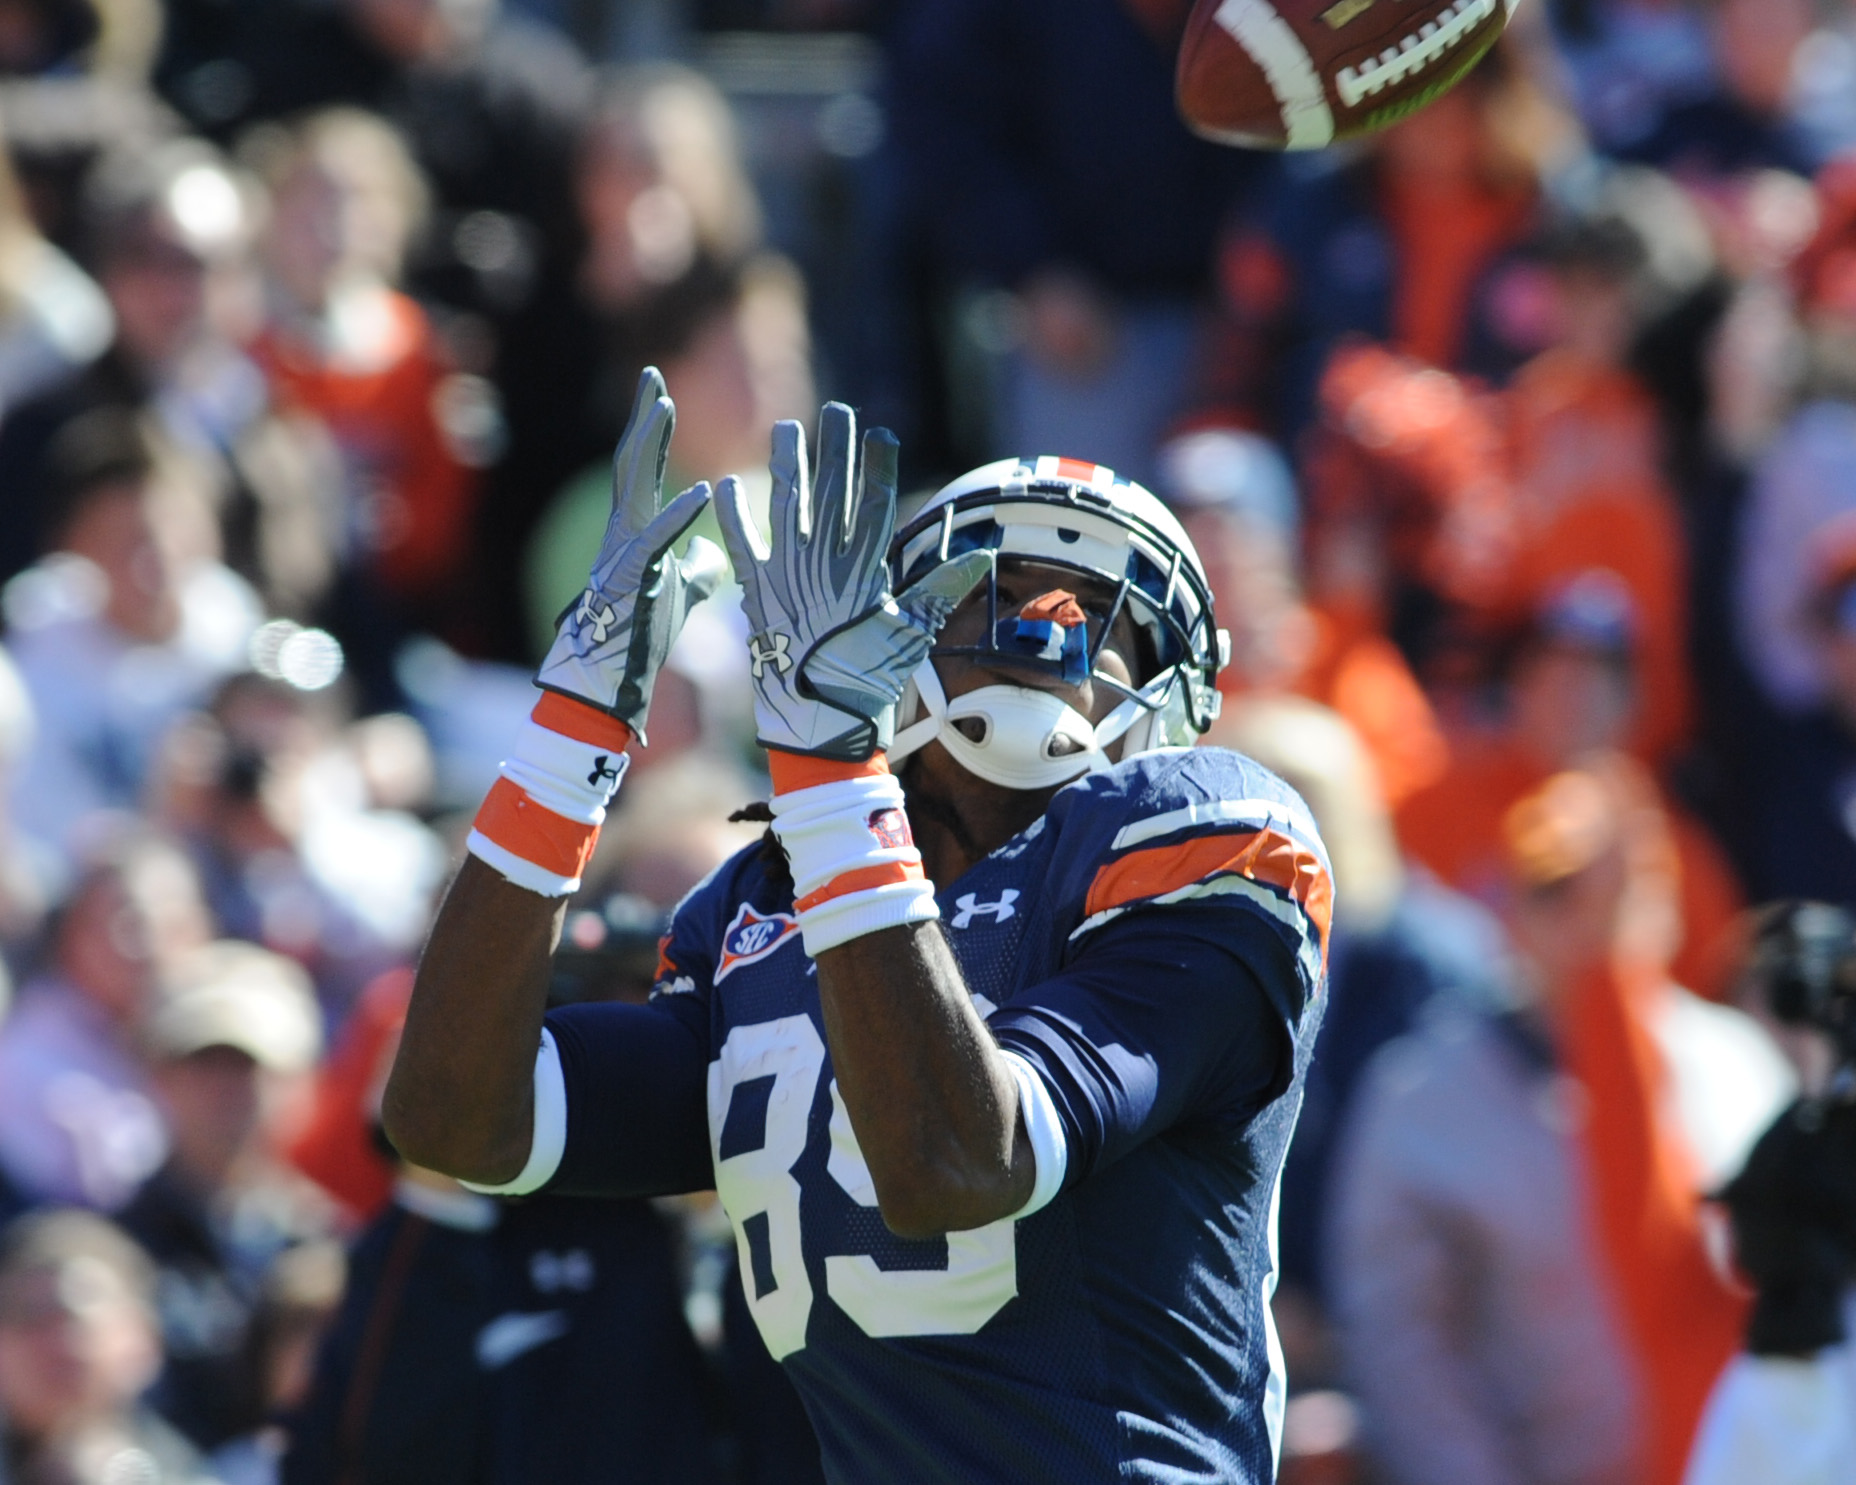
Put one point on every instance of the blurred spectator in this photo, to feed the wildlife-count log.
(57, 129)
(302, 1290)
(1237, 500)
(77, 1118)
(491, 107)
(53, 320)
(1784, 1412)
(1571, 688)
(1675, 1089)
(26, 869)
(342, 344)
(1040, 153)
(1522, 1278)
(1803, 788)
(489, 104)
(78, 1346)
(1585, 443)
(671, 276)
(669, 836)
(271, 795)
(1445, 514)
(1747, 120)
(1469, 1294)
(1629, 60)
(1405, 949)
(167, 230)
(736, 356)
(488, 1340)
(1418, 242)
(661, 190)
(228, 1040)
(1807, 473)
(1411, 503)
(339, 1145)
(128, 622)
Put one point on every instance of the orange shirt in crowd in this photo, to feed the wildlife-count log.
(1682, 1320)
(1454, 827)
(1589, 493)
(1447, 235)
(1361, 674)
(337, 1147)
(385, 417)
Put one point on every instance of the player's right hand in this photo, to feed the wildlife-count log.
(613, 639)
(832, 649)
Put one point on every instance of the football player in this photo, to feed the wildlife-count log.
(993, 1050)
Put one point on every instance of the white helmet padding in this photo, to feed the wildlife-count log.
(1067, 514)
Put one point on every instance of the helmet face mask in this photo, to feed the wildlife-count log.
(1119, 541)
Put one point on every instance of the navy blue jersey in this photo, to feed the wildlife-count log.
(1153, 949)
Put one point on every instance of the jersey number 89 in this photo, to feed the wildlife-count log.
(761, 1091)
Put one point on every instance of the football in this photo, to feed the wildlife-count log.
(1301, 74)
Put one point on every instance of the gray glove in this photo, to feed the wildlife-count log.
(831, 648)
(613, 639)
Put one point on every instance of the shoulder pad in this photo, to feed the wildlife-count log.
(1192, 824)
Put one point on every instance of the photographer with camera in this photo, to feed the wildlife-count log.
(1784, 1412)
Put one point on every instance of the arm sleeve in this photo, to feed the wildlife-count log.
(1167, 1015)
(636, 1079)
(620, 1106)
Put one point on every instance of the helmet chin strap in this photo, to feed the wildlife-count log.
(1028, 738)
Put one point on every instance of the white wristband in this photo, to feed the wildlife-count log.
(540, 821)
(833, 828)
(573, 778)
(853, 858)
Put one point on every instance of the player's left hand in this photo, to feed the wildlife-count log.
(832, 648)
(613, 640)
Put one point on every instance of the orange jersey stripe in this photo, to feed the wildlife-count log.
(583, 723)
(1266, 856)
(863, 878)
(795, 771)
(535, 833)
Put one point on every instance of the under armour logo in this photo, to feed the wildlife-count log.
(602, 618)
(600, 771)
(773, 654)
(967, 907)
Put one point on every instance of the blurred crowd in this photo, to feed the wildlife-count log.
(1519, 443)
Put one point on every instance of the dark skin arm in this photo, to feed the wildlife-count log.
(932, 1101)
(461, 1096)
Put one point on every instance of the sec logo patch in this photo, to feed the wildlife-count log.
(753, 936)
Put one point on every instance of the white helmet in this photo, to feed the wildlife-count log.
(1064, 513)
